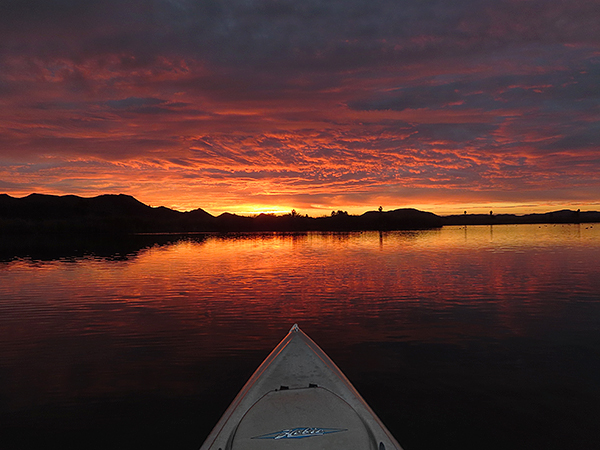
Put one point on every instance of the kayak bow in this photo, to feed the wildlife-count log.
(299, 399)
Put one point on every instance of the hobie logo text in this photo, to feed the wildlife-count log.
(299, 433)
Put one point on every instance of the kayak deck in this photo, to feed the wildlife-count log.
(299, 399)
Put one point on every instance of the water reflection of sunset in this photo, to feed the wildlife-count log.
(469, 309)
(351, 279)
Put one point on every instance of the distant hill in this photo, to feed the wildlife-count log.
(401, 219)
(563, 216)
(102, 214)
(123, 214)
(39, 213)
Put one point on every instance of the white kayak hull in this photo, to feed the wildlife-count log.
(299, 399)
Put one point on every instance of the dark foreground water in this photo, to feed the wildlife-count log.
(472, 338)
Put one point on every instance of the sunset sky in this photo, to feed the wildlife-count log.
(248, 105)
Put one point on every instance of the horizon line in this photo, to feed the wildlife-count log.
(289, 211)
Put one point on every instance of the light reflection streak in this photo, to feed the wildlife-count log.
(161, 319)
(306, 277)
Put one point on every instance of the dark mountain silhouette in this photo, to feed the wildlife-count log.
(123, 214)
(44, 207)
(338, 221)
(562, 216)
(39, 213)
(407, 218)
(102, 214)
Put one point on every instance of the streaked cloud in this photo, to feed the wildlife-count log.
(314, 105)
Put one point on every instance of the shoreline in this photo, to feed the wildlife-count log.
(123, 215)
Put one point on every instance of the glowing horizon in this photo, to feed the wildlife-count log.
(441, 209)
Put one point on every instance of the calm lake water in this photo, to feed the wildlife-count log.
(474, 337)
